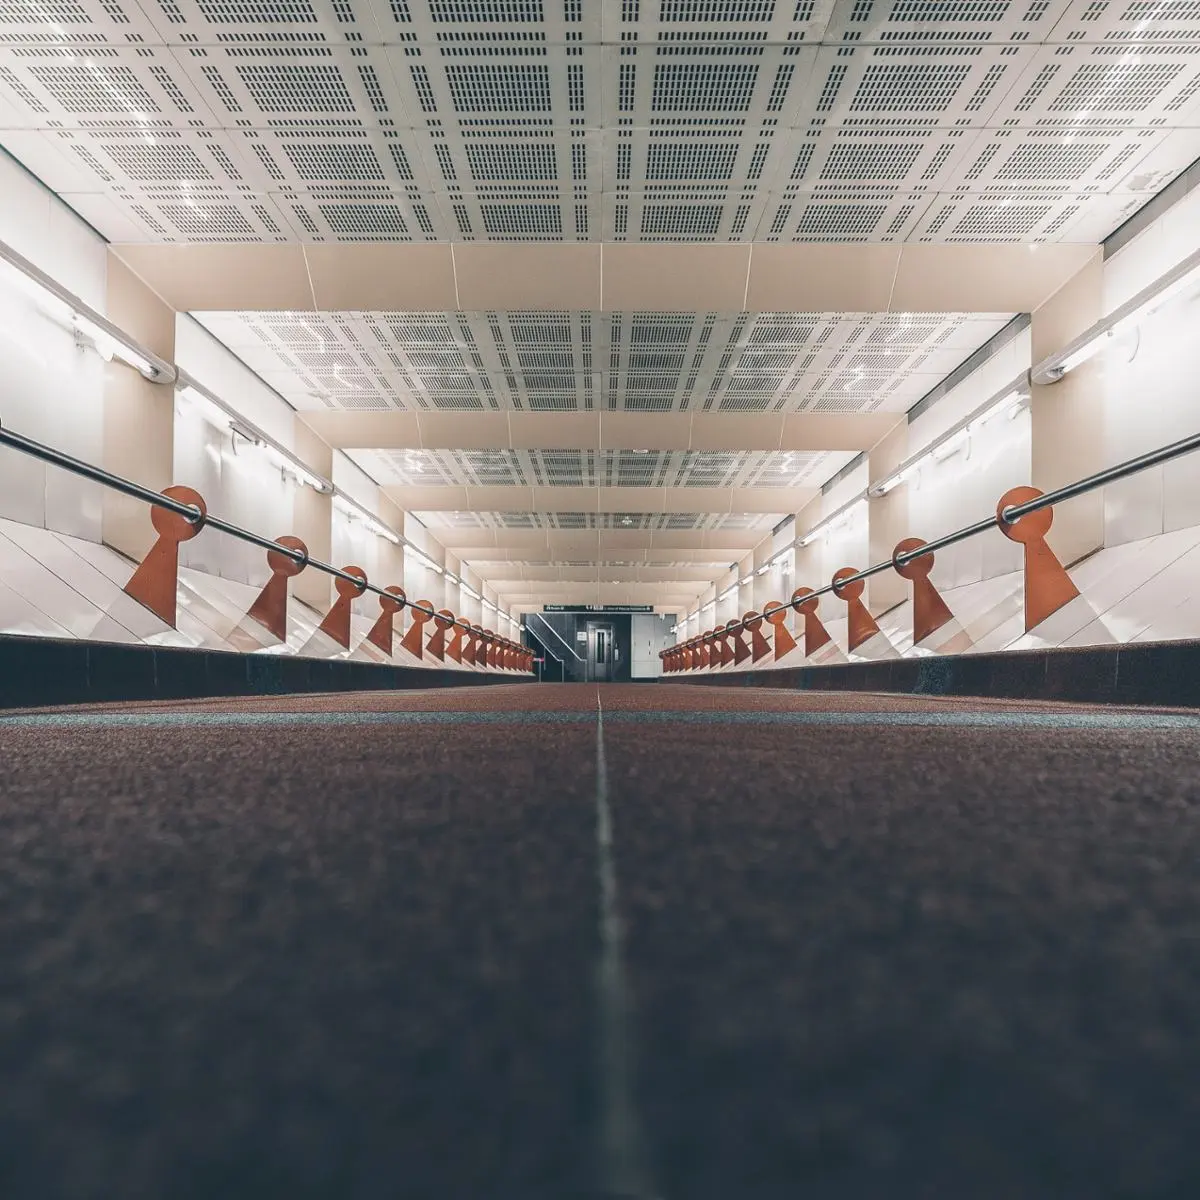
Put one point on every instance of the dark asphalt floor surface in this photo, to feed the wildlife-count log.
(310, 947)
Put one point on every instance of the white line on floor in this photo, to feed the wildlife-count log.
(622, 1148)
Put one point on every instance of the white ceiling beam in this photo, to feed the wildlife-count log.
(648, 276)
(470, 544)
(510, 499)
(799, 432)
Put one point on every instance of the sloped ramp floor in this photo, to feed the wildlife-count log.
(568, 941)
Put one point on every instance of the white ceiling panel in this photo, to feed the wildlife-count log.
(634, 362)
(654, 522)
(622, 120)
(603, 468)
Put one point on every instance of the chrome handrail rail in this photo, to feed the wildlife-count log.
(1010, 516)
(192, 514)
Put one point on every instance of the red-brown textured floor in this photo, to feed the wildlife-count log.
(352, 958)
(533, 698)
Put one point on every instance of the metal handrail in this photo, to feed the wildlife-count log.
(1010, 516)
(571, 649)
(193, 514)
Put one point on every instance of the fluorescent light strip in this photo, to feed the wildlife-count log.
(62, 305)
(470, 592)
(834, 518)
(409, 548)
(1011, 399)
(218, 413)
(357, 512)
(1179, 280)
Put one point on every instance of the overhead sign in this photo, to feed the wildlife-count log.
(598, 608)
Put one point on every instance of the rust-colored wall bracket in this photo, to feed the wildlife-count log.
(1047, 585)
(474, 646)
(776, 615)
(861, 625)
(741, 652)
(443, 620)
(454, 647)
(337, 619)
(759, 646)
(717, 652)
(815, 633)
(156, 581)
(706, 650)
(414, 640)
(930, 611)
(270, 607)
(383, 631)
(492, 648)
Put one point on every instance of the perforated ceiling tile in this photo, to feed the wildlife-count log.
(722, 120)
(559, 361)
(231, 22)
(289, 86)
(826, 214)
(1075, 88)
(1018, 215)
(598, 521)
(97, 88)
(77, 25)
(938, 85)
(947, 22)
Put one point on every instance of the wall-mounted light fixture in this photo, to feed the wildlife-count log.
(1179, 281)
(832, 521)
(370, 522)
(424, 558)
(1011, 400)
(89, 325)
(216, 412)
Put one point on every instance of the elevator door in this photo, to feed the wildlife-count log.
(601, 651)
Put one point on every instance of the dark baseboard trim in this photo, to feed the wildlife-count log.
(1155, 673)
(41, 671)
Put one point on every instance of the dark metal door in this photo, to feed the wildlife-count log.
(600, 645)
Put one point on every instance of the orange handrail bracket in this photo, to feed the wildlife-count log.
(155, 583)
(1047, 585)
(815, 633)
(337, 620)
(383, 631)
(930, 611)
(861, 625)
(270, 607)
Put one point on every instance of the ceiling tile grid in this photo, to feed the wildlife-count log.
(603, 468)
(652, 522)
(628, 120)
(636, 362)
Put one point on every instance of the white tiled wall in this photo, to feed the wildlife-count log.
(53, 391)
